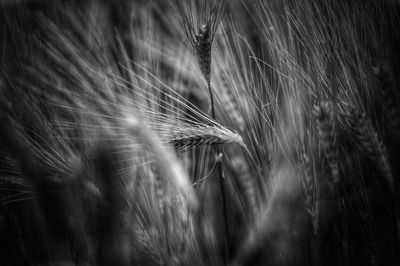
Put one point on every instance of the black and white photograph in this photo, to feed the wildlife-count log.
(199, 132)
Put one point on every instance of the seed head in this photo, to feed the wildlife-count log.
(200, 20)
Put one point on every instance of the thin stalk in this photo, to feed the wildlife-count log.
(221, 182)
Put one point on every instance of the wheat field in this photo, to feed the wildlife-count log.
(200, 132)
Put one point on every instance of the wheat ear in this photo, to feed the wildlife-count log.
(200, 27)
(310, 189)
(165, 158)
(371, 143)
(230, 105)
(186, 138)
(325, 112)
(241, 168)
(390, 97)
